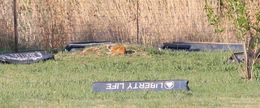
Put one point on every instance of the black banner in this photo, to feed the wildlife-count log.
(80, 45)
(25, 58)
(140, 85)
(200, 46)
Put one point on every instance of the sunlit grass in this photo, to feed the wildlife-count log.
(67, 81)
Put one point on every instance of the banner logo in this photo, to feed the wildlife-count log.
(169, 84)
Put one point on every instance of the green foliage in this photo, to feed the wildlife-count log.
(67, 82)
(258, 16)
(237, 13)
(213, 18)
(247, 30)
(257, 26)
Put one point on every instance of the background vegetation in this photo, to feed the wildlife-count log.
(53, 23)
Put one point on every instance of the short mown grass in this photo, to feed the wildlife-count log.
(67, 81)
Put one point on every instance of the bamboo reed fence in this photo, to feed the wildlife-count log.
(44, 24)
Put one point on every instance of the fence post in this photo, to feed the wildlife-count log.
(15, 26)
(137, 22)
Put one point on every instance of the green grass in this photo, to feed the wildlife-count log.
(67, 81)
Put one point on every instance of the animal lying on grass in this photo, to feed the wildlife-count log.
(117, 49)
(111, 49)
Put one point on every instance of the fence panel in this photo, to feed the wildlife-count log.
(47, 24)
(6, 26)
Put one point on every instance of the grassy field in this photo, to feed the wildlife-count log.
(67, 81)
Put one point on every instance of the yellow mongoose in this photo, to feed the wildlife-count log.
(117, 49)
